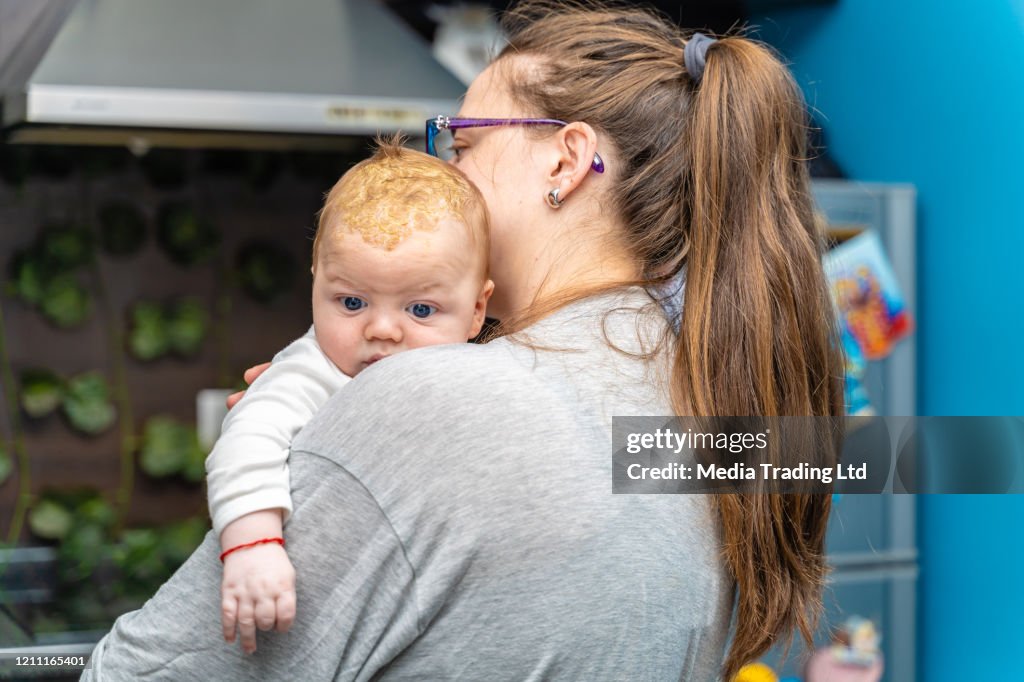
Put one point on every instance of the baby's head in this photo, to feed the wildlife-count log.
(399, 259)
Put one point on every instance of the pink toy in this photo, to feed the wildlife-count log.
(853, 656)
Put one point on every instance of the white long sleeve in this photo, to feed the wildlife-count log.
(247, 470)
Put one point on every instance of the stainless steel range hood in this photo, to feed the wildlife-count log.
(253, 73)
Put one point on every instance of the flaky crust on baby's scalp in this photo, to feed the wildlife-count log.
(398, 190)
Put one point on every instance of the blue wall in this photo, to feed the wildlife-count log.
(933, 94)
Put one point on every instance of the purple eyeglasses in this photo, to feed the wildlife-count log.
(443, 126)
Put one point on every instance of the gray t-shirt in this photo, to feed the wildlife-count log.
(453, 519)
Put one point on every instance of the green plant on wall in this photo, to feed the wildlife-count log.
(41, 392)
(87, 403)
(105, 567)
(171, 448)
(102, 573)
(66, 246)
(65, 302)
(47, 275)
(158, 330)
(147, 336)
(187, 237)
(265, 270)
(187, 323)
(84, 399)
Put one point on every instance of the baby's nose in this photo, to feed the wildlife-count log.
(384, 326)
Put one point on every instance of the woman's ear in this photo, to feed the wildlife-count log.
(576, 145)
(480, 309)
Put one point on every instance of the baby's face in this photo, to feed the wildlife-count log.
(369, 303)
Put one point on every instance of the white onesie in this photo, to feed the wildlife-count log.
(247, 470)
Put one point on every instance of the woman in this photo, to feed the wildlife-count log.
(452, 509)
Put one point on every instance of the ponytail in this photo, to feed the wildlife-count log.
(757, 335)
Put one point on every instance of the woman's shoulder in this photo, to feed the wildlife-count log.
(428, 384)
(418, 404)
(441, 368)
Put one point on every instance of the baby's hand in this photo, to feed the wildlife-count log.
(258, 591)
(250, 376)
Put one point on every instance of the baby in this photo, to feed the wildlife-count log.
(399, 262)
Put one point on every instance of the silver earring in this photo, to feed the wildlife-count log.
(552, 199)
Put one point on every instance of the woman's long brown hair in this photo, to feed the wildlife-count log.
(712, 178)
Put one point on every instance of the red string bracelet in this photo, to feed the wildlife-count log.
(264, 541)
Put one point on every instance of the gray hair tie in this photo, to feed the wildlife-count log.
(695, 55)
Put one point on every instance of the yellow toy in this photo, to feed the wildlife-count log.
(755, 672)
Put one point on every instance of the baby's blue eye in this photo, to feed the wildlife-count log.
(421, 310)
(353, 303)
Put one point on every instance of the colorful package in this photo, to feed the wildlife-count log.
(866, 294)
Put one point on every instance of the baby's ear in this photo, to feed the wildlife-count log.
(480, 311)
(486, 290)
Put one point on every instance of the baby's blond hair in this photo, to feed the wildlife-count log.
(398, 190)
